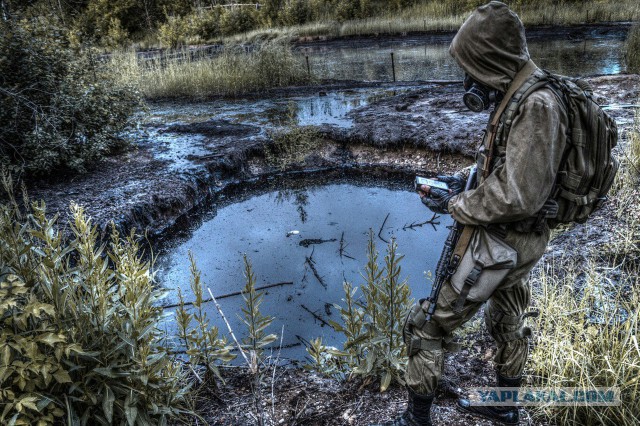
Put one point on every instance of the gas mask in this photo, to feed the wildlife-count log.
(479, 97)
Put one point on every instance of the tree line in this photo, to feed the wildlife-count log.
(116, 22)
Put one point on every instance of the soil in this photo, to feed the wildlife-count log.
(424, 131)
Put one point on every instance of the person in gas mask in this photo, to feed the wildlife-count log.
(513, 186)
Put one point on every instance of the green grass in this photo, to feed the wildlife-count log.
(178, 74)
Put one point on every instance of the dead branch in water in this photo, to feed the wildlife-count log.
(382, 228)
(235, 293)
(316, 316)
(342, 248)
(312, 265)
(431, 222)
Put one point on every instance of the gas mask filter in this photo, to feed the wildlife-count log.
(479, 97)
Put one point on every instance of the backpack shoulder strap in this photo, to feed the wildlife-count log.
(522, 77)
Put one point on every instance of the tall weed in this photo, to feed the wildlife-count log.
(79, 336)
(374, 348)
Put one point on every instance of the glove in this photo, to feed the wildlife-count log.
(438, 200)
(455, 182)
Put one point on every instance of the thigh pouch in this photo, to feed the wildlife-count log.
(484, 266)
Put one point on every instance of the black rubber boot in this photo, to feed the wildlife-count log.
(504, 415)
(418, 412)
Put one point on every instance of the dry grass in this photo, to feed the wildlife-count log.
(632, 49)
(589, 317)
(232, 72)
(439, 16)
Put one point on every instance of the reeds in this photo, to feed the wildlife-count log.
(234, 71)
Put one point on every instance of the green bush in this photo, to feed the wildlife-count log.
(79, 336)
(238, 20)
(296, 12)
(60, 110)
(373, 348)
(194, 28)
(173, 32)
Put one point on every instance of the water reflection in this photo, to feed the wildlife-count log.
(281, 230)
(585, 54)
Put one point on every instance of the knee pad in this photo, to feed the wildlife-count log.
(504, 327)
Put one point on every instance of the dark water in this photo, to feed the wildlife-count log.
(575, 53)
(270, 227)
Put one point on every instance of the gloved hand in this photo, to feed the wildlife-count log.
(455, 182)
(438, 200)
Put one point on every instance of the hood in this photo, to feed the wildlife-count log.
(491, 46)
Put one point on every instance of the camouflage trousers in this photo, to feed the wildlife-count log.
(504, 317)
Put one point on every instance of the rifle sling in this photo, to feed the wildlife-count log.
(518, 81)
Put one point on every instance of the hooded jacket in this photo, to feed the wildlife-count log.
(491, 47)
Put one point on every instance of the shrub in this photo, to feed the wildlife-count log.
(238, 20)
(374, 348)
(79, 336)
(60, 110)
(173, 32)
(296, 12)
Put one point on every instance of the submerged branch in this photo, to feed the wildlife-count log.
(224, 296)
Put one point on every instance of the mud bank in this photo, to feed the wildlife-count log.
(153, 184)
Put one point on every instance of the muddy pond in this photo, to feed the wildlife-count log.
(308, 235)
(305, 235)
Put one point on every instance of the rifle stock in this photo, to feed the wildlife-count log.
(446, 264)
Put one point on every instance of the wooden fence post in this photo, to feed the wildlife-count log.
(393, 67)
(308, 66)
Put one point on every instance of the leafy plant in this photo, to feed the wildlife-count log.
(79, 337)
(373, 346)
(202, 342)
(257, 338)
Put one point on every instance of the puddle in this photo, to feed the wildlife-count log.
(280, 228)
(325, 107)
(577, 53)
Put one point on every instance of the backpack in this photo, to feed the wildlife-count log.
(588, 167)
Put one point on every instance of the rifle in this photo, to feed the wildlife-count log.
(448, 263)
